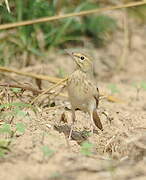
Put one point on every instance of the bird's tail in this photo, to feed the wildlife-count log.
(96, 120)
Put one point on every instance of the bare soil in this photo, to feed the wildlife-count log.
(119, 152)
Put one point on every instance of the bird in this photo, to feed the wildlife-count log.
(82, 90)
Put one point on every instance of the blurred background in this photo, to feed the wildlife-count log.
(112, 31)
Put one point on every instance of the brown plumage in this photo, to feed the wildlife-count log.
(82, 91)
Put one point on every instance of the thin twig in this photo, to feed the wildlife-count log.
(32, 75)
(49, 89)
(57, 17)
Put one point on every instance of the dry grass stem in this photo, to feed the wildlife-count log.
(7, 5)
(57, 17)
(49, 89)
(32, 75)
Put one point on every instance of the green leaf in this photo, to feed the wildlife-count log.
(35, 51)
(19, 112)
(113, 88)
(66, 23)
(20, 127)
(47, 151)
(5, 128)
(2, 152)
(16, 90)
(138, 12)
(143, 85)
(86, 149)
(99, 26)
(3, 147)
(90, 5)
(55, 175)
(134, 84)
(4, 142)
(15, 104)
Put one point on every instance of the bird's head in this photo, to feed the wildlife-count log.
(83, 62)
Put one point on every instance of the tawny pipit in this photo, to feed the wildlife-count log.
(82, 91)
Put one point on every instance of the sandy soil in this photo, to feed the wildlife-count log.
(119, 152)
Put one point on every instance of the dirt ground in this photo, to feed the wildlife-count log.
(119, 152)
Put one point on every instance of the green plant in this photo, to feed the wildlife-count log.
(34, 40)
(55, 176)
(4, 147)
(86, 133)
(140, 85)
(143, 85)
(5, 128)
(138, 13)
(114, 89)
(86, 149)
(14, 109)
(16, 90)
(20, 128)
(7, 133)
(47, 152)
(99, 27)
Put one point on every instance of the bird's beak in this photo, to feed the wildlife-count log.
(69, 53)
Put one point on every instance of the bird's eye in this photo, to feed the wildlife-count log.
(82, 58)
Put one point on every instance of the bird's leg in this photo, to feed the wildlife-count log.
(72, 125)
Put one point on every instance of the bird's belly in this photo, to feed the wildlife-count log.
(80, 91)
(81, 100)
(78, 94)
